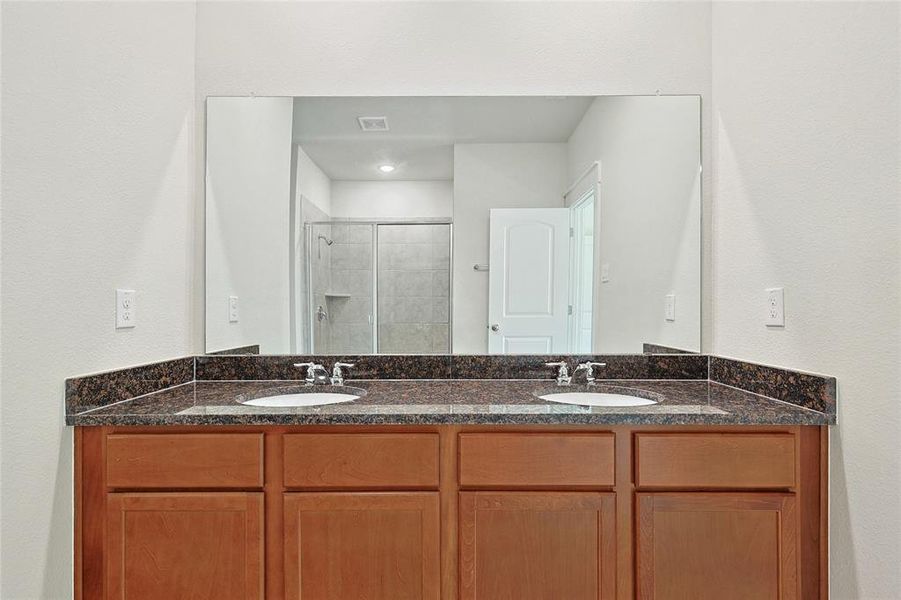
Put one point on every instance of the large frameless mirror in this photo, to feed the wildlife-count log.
(466, 225)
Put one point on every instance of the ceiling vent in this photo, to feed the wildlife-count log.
(373, 123)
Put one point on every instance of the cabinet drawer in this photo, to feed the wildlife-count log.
(361, 460)
(185, 460)
(536, 460)
(715, 460)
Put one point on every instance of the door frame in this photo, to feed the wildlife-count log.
(590, 195)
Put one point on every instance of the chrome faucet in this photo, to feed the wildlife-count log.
(588, 367)
(563, 376)
(316, 373)
(338, 374)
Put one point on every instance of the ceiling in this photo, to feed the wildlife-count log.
(423, 130)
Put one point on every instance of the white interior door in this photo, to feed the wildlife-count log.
(528, 281)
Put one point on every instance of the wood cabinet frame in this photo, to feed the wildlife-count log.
(601, 505)
(91, 489)
(246, 507)
(781, 505)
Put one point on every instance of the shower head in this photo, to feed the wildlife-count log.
(328, 242)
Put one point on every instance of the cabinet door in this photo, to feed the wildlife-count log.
(537, 546)
(362, 546)
(713, 546)
(195, 545)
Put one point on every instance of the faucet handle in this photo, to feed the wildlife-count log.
(589, 369)
(338, 374)
(589, 365)
(308, 365)
(311, 370)
(563, 377)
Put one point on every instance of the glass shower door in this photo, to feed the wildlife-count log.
(414, 288)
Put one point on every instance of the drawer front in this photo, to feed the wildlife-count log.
(185, 460)
(361, 460)
(715, 460)
(536, 460)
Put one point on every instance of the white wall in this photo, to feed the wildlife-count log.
(807, 109)
(248, 222)
(648, 218)
(312, 201)
(98, 144)
(312, 183)
(493, 176)
(392, 199)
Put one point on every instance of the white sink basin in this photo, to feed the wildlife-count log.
(305, 396)
(597, 399)
(315, 399)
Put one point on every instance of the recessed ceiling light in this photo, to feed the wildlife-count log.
(386, 168)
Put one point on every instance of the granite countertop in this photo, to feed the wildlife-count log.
(452, 401)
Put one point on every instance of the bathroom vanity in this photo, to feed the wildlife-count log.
(451, 512)
(454, 259)
(451, 488)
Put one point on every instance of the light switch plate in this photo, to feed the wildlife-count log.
(126, 309)
(775, 307)
(232, 309)
(669, 307)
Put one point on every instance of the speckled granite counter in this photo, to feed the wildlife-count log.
(460, 401)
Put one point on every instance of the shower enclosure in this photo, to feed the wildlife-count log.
(377, 287)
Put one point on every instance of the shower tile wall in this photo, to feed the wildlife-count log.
(320, 264)
(414, 289)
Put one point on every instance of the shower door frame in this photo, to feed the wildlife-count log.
(374, 224)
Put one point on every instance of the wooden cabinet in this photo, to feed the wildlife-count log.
(708, 546)
(198, 545)
(536, 460)
(183, 461)
(537, 546)
(720, 461)
(450, 512)
(361, 460)
(372, 546)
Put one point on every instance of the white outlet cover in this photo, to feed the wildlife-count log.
(775, 307)
(669, 307)
(126, 309)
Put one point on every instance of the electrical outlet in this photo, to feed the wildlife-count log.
(669, 307)
(605, 272)
(126, 309)
(232, 309)
(775, 307)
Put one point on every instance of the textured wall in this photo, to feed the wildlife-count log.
(806, 188)
(98, 149)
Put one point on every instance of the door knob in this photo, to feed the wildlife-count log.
(495, 327)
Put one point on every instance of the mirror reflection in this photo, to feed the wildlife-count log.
(472, 225)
